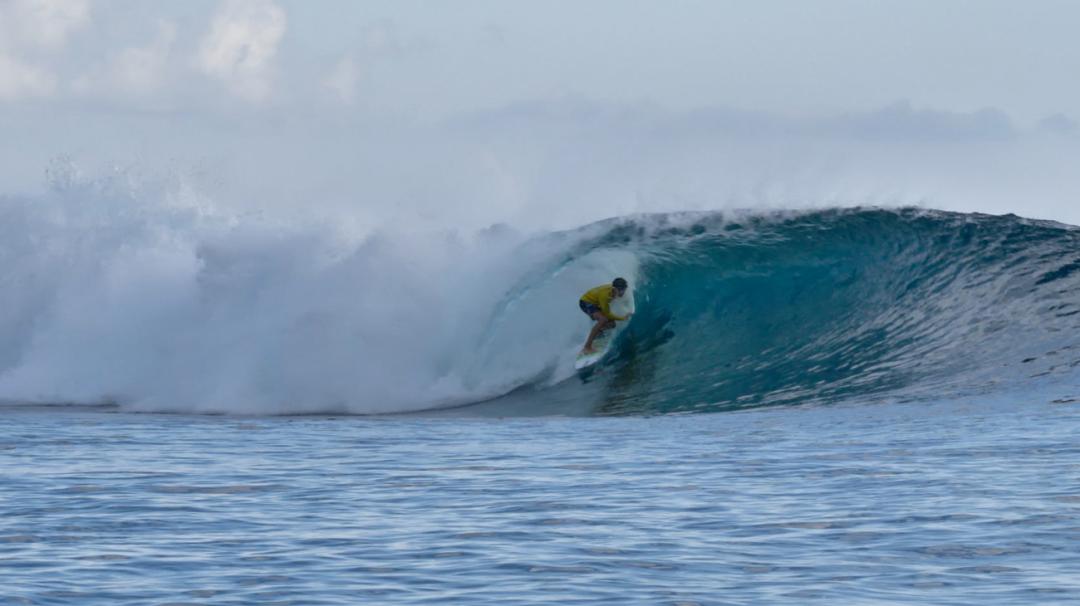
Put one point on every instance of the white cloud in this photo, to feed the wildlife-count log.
(240, 47)
(372, 45)
(22, 80)
(29, 27)
(136, 71)
(41, 24)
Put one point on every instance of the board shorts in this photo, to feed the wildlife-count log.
(588, 308)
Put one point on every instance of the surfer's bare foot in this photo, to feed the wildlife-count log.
(588, 350)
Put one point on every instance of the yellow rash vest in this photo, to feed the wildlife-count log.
(601, 297)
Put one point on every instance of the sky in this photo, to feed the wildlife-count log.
(501, 107)
(431, 58)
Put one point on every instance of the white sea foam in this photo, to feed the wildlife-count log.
(156, 302)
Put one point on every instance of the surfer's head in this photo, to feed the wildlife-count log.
(619, 284)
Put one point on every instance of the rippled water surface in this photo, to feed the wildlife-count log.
(949, 503)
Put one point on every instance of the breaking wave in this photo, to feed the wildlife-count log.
(173, 308)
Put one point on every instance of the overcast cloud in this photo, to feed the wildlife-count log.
(434, 58)
(659, 104)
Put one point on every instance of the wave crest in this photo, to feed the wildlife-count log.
(170, 308)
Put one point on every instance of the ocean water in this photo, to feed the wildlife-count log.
(968, 501)
(856, 405)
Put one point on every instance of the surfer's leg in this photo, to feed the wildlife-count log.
(602, 324)
(595, 332)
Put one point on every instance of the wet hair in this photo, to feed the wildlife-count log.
(619, 283)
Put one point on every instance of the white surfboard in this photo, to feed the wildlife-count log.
(601, 345)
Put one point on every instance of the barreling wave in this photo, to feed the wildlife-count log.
(172, 309)
(855, 304)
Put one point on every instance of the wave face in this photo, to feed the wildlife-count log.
(171, 307)
(736, 312)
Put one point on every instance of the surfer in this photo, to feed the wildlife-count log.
(596, 303)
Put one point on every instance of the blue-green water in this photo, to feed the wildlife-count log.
(765, 310)
(973, 500)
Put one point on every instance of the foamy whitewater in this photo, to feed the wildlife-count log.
(174, 308)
